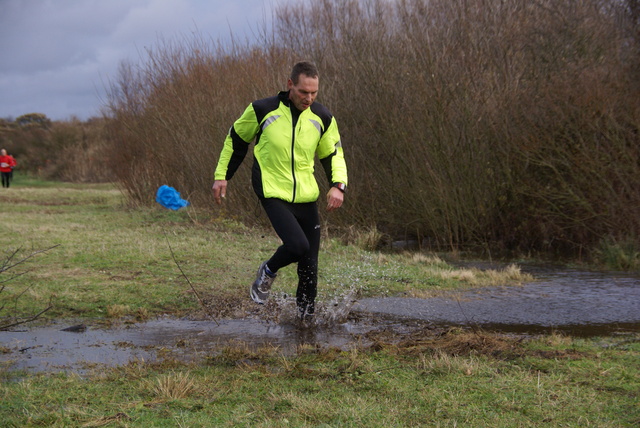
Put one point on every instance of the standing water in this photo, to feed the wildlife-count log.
(578, 302)
(567, 300)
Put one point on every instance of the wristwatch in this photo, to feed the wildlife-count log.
(340, 186)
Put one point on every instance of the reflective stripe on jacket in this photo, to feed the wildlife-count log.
(283, 155)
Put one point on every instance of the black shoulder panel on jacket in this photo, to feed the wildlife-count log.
(240, 148)
(323, 113)
(264, 106)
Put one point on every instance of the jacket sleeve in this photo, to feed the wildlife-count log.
(331, 154)
(236, 144)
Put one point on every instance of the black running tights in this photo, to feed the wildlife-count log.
(298, 226)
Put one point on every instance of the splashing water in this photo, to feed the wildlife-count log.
(339, 308)
(328, 314)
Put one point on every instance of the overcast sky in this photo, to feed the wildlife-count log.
(56, 56)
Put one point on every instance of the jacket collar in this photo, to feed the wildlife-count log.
(284, 98)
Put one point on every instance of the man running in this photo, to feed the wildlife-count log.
(289, 129)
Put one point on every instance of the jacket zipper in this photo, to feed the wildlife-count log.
(293, 163)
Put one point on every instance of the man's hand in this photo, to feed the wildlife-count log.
(219, 190)
(335, 197)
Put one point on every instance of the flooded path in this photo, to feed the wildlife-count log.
(577, 302)
(572, 301)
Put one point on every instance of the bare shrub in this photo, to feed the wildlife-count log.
(10, 316)
(70, 150)
(447, 102)
(170, 115)
(510, 124)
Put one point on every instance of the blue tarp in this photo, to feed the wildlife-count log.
(170, 198)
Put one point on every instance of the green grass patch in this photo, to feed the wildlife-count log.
(107, 261)
(458, 379)
(107, 253)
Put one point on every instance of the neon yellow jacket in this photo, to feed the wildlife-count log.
(285, 148)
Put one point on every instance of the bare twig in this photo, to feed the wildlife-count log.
(12, 277)
(206, 309)
(7, 264)
(26, 320)
(473, 325)
(7, 260)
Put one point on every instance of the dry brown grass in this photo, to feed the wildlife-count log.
(172, 386)
(117, 311)
(510, 275)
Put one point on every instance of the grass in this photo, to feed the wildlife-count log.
(113, 262)
(457, 379)
(621, 255)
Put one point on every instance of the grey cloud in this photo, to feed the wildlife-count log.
(55, 55)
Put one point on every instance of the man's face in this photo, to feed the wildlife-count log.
(304, 93)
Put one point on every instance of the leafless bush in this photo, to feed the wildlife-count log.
(170, 114)
(71, 150)
(9, 316)
(513, 124)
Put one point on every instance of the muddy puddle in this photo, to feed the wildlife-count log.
(54, 348)
(576, 302)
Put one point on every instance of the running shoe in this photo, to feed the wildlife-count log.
(259, 290)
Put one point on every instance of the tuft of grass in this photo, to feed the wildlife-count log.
(142, 314)
(619, 254)
(117, 311)
(442, 363)
(171, 386)
(510, 275)
(368, 239)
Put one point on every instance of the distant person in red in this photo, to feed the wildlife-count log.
(7, 163)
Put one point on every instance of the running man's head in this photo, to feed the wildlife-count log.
(303, 85)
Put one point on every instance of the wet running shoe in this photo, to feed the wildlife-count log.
(259, 290)
(306, 313)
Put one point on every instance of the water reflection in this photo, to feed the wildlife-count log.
(52, 349)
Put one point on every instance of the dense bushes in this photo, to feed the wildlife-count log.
(62, 150)
(513, 125)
